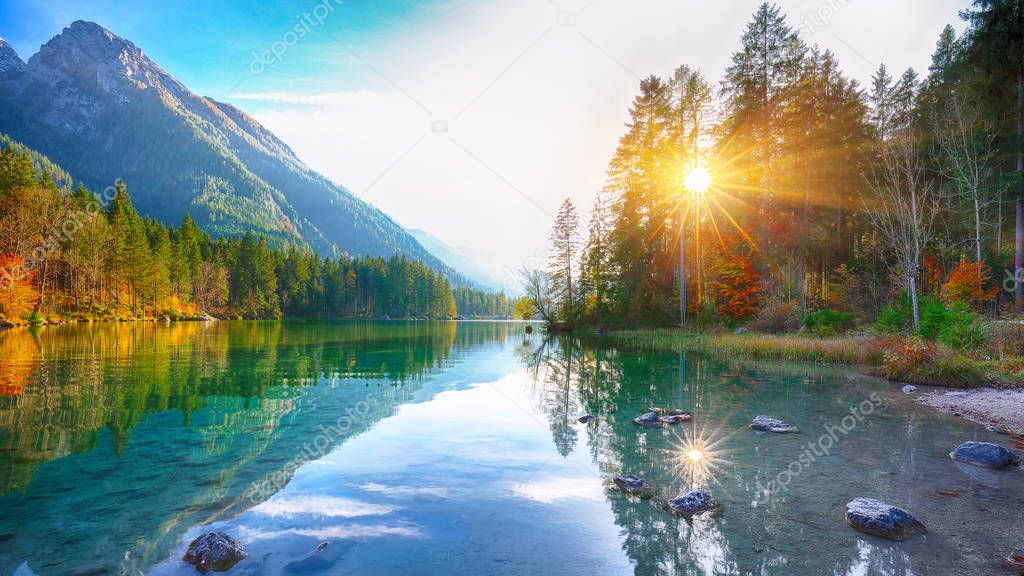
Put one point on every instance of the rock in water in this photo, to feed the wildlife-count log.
(634, 486)
(648, 419)
(766, 424)
(586, 419)
(984, 454)
(909, 389)
(214, 551)
(676, 418)
(692, 503)
(880, 519)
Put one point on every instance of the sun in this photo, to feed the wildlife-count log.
(698, 179)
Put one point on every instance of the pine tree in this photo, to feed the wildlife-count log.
(564, 246)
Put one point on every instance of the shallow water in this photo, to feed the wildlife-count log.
(443, 448)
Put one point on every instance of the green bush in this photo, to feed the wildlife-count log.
(965, 331)
(826, 322)
(898, 317)
(35, 318)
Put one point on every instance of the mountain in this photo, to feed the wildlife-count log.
(462, 259)
(98, 106)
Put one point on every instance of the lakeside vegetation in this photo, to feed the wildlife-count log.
(71, 253)
(878, 226)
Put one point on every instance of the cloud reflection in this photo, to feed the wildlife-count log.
(321, 506)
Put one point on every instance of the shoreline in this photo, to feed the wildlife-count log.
(994, 400)
(1000, 409)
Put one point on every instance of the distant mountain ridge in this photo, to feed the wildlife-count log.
(95, 104)
(459, 258)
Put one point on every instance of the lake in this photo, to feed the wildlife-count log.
(454, 448)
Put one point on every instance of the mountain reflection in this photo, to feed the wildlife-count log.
(157, 427)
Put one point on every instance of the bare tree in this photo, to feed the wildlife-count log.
(966, 139)
(903, 206)
(538, 290)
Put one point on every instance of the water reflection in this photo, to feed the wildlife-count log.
(897, 453)
(115, 438)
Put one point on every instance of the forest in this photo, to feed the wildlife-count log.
(800, 200)
(71, 253)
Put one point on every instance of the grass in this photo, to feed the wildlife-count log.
(901, 359)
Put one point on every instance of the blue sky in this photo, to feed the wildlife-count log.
(469, 119)
(209, 45)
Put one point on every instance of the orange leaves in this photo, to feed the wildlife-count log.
(966, 285)
(17, 296)
(739, 286)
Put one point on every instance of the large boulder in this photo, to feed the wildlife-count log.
(985, 454)
(692, 503)
(634, 486)
(766, 424)
(215, 551)
(880, 519)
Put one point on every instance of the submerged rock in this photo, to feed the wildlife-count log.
(648, 419)
(984, 454)
(909, 389)
(676, 418)
(215, 551)
(880, 519)
(766, 424)
(634, 486)
(692, 503)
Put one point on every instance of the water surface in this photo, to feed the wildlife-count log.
(453, 448)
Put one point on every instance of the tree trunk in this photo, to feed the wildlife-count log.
(913, 300)
(1018, 247)
(682, 266)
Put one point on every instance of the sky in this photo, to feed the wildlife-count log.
(470, 120)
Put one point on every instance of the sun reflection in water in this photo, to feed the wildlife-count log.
(697, 455)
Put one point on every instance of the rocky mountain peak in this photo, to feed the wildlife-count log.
(9, 59)
(86, 50)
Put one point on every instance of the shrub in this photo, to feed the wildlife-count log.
(966, 285)
(921, 362)
(898, 318)
(777, 316)
(1007, 339)
(35, 318)
(826, 322)
(964, 331)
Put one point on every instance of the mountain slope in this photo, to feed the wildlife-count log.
(98, 106)
(459, 258)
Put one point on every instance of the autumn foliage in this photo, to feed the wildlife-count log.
(17, 296)
(966, 285)
(739, 287)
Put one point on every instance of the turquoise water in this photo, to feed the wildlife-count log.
(453, 448)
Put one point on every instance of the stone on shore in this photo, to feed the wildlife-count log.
(766, 424)
(215, 551)
(985, 454)
(634, 486)
(692, 503)
(880, 519)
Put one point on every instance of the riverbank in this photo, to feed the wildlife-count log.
(59, 321)
(1000, 409)
(996, 384)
